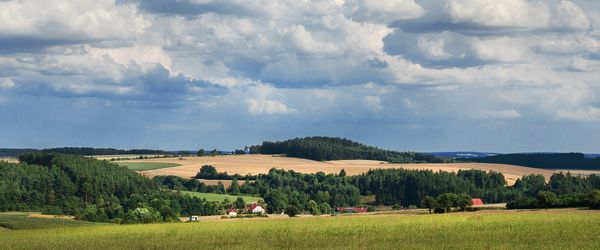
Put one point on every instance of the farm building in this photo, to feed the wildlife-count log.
(193, 218)
(477, 202)
(351, 210)
(232, 212)
(256, 209)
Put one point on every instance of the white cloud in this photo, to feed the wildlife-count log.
(6, 83)
(261, 106)
(503, 114)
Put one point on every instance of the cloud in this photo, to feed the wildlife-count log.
(6, 83)
(261, 106)
(503, 114)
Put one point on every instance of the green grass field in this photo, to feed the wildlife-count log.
(554, 229)
(145, 166)
(221, 197)
(24, 221)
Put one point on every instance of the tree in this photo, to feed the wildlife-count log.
(325, 208)
(201, 152)
(240, 203)
(292, 211)
(464, 201)
(546, 199)
(313, 207)
(342, 173)
(234, 188)
(207, 172)
(214, 152)
(447, 201)
(594, 200)
(429, 203)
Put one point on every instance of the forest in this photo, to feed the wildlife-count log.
(391, 187)
(335, 148)
(91, 190)
(542, 160)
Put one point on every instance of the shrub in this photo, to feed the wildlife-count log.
(292, 211)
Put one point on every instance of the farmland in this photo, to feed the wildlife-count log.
(544, 229)
(21, 220)
(221, 197)
(146, 166)
(255, 164)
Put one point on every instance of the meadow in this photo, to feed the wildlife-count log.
(260, 164)
(23, 220)
(146, 166)
(221, 197)
(544, 229)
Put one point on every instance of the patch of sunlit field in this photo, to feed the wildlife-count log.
(546, 229)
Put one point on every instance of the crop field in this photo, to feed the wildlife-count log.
(255, 164)
(221, 197)
(17, 220)
(145, 166)
(549, 229)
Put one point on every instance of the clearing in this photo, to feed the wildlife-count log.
(256, 164)
(221, 197)
(25, 220)
(145, 166)
(544, 229)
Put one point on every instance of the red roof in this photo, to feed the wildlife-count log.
(477, 202)
(231, 210)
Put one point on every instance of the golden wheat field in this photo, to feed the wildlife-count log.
(255, 164)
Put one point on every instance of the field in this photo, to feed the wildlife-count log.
(221, 197)
(18, 220)
(9, 159)
(255, 164)
(145, 166)
(550, 229)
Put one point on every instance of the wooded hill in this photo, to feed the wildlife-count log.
(543, 160)
(335, 148)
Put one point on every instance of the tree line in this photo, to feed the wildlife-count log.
(542, 160)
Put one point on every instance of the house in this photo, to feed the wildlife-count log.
(477, 202)
(232, 212)
(256, 209)
(193, 218)
(351, 210)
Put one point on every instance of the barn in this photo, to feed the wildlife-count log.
(477, 202)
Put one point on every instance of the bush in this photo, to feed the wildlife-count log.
(292, 211)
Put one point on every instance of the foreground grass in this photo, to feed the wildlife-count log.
(221, 197)
(24, 221)
(555, 229)
(145, 166)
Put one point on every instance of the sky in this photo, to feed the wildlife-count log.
(419, 75)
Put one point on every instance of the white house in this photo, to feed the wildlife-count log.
(258, 210)
(232, 212)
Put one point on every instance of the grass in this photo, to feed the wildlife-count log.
(221, 197)
(24, 221)
(554, 229)
(145, 166)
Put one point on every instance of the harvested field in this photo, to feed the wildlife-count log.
(255, 164)
(9, 159)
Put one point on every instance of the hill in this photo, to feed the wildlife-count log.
(13, 152)
(543, 160)
(335, 148)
